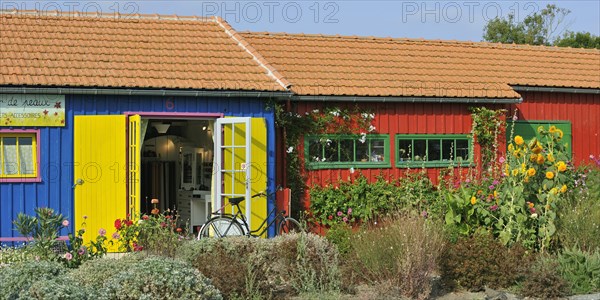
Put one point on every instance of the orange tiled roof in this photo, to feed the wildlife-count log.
(146, 51)
(366, 66)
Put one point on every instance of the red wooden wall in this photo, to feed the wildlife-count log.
(582, 110)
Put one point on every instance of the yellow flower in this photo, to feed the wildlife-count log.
(561, 166)
(554, 191)
(515, 172)
(506, 171)
(540, 159)
(473, 200)
(552, 129)
(532, 157)
(550, 157)
(550, 175)
(519, 140)
(511, 148)
(560, 133)
(495, 194)
(523, 167)
(563, 188)
(531, 172)
(530, 204)
(537, 149)
(526, 179)
(540, 128)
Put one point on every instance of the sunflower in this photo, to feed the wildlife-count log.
(550, 175)
(540, 159)
(473, 200)
(550, 157)
(519, 140)
(561, 166)
(531, 172)
(563, 189)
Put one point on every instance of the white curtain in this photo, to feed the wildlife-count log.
(26, 156)
(9, 156)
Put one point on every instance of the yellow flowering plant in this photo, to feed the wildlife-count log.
(536, 176)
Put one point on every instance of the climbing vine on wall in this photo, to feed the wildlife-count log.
(330, 120)
(487, 126)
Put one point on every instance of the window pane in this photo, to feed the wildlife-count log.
(420, 149)
(347, 150)
(433, 151)
(315, 150)
(9, 158)
(377, 150)
(26, 155)
(362, 151)
(448, 149)
(331, 150)
(404, 151)
(462, 150)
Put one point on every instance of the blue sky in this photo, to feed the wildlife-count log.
(448, 20)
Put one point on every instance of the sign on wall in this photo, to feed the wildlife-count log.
(32, 110)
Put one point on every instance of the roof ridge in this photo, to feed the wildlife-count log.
(423, 40)
(115, 15)
(262, 62)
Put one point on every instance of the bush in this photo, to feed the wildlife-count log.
(339, 234)
(63, 287)
(159, 278)
(578, 222)
(401, 251)
(543, 281)
(278, 267)
(581, 270)
(103, 269)
(479, 261)
(20, 276)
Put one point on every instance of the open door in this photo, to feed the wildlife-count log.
(99, 164)
(240, 165)
(134, 161)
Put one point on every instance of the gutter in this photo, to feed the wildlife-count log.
(141, 92)
(408, 99)
(523, 88)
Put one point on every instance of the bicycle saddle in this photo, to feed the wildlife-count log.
(236, 200)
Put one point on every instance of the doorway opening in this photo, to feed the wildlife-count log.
(177, 168)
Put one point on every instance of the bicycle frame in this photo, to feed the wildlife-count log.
(238, 215)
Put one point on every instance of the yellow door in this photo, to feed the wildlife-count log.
(241, 151)
(100, 164)
(134, 140)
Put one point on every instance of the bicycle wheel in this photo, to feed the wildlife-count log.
(220, 227)
(289, 225)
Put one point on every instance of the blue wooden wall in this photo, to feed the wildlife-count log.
(56, 152)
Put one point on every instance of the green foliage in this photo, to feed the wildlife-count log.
(19, 277)
(359, 200)
(159, 278)
(58, 288)
(400, 251)
(578, 223)
(487, 126)
(543, 281)
(580, 269)
(43, 228)
(264, 268)
(10, 255)
(478, 261)
(339, 234)
(578, 40)
(539, 28)
(102, 270)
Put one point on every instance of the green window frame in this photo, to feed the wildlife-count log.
(433, 150)
(331, 151)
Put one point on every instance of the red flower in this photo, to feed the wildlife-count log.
(128, 222)
(118, 224)
(145, 217)
(163, 224)
(168, 216)
(330, 217)
(137, 247)
(155, 211)
(179, 229)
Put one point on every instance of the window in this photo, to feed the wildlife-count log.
(433, 150)
(345, 151)
(18, 155)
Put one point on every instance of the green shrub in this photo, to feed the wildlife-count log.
(543, 280)
(339, 234)
(580, 269)
(20, 276)
(401, 252)
(102, 270)
(16, 254)
(59, 288)
(278, 267)
(159, 278)
(579, 215)
(480, 260)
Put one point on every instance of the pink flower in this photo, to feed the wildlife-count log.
(424, 214)
(532, 210)
(339, 213)
(163, 224)
(502, 160)
(68, 256)
(349, 211)
(345, 219)
(65, 223)
(102, 232)
(494, 207)
(81, 250)
(116, 236)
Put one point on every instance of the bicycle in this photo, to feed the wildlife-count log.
(223, 224)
